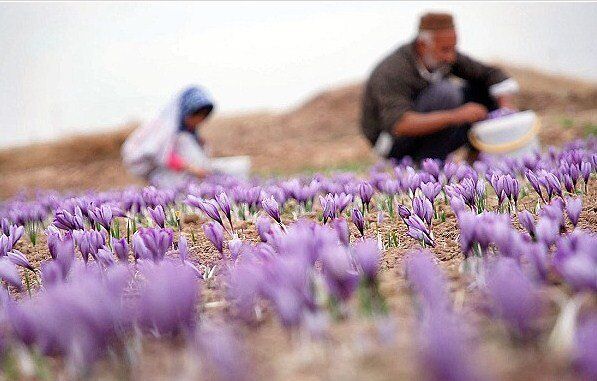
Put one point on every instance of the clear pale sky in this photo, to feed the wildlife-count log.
(78, 67)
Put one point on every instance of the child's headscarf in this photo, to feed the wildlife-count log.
(192, 100)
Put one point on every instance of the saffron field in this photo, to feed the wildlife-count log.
(438, 271)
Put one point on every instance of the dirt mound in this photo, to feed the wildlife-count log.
(321, 133)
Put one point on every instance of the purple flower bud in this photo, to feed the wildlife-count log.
(431, 166)
(431, 190)
(158, 216)
(418, 230)
(167, 298)
(62, 250)
(19, 259)
(554, 184)
(152, 243)
(9, 273)
(121, 248)
(585, 170)
(215, 234)
(573, 209)
(51, 273)
(14, 233)
(66, 221)
(568, 183)
(339, 274)
(513, 296)
(534, 181)
(403, 211)
(104, 257)
(547, 231)
(341, 201)
(341, 227)
(423, 208)
(427, 280)
(358, 220)
(328, 206)
(224, 203)
(365, 192)
(89, 242)
(264, 228)
(525, 218)
(270, 205)
(206, 206)
(367, 257)
(102, 215)
(457, 204)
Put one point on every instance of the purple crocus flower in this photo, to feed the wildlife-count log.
(102, 215)
(366, 193)
(14, 233)
(547, 230)
(121, 248)
(328, 206)
(340, 225)
(418, 230)
(427, 280)
(431, 166)
(585, 170)
(5, 245)
(431, 190)
(62, 249)
(573, 209)
(367, 257)
(19, 259)
(403, 211)
(575, 259)
(215, 234)
(457, 204)
(423, 208)
(167, 299)
(224, 203)
(89, 242)
(9, 273)
(513, 296)
(152, 243)
(271, 207)
(209, 207)
(341, 201)
(526, 220)
(157, 215)
(534, 181)
(264, 228)
(358, 220)
(67, 221)
(340, 276)
(104, 257)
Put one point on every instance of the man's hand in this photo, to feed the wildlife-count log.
(469, 113)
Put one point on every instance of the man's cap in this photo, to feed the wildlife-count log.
(436, 21)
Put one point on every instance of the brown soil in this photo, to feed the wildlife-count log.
(321, 133)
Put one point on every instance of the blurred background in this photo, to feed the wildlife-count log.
(288, 72)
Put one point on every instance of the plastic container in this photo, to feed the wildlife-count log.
(237, 166)
(513, 135)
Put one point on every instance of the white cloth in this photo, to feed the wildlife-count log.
(149, 146)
